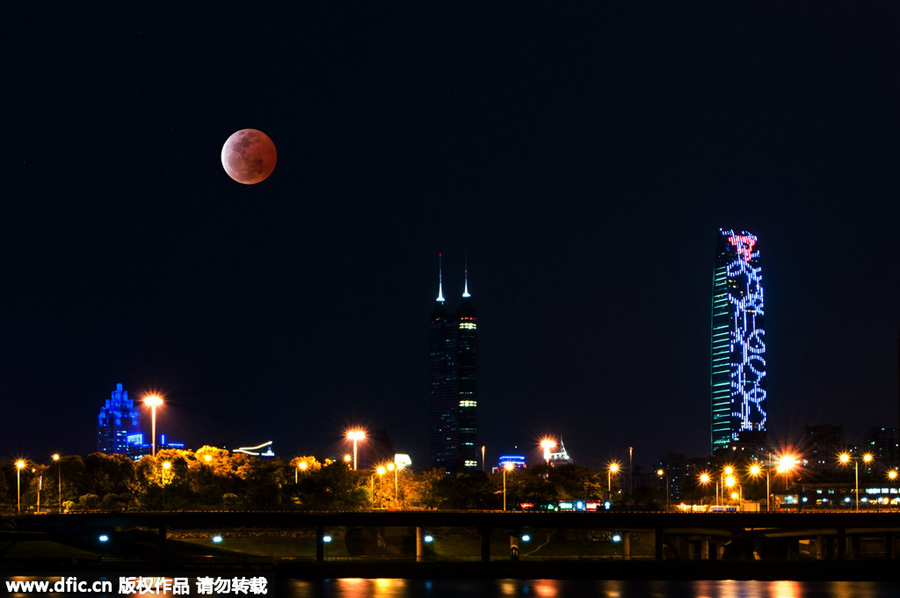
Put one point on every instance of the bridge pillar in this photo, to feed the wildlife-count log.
(320, 543)
(485, 545)
(626, 546)
(659, 544)
(514, 546)
(841, 544)
(821, 548)
(855, 546)
(704, 548)
(420, 545)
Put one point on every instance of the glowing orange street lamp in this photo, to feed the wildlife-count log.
(755, 470)
(613, 468)
(59, 475)
(355, 436)
(547, 444)
(506, 467)
(153, 401)
(20, 465)
(845, 458)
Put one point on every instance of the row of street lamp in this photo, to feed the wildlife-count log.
(785, 465)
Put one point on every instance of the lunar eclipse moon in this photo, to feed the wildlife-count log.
(249, 156)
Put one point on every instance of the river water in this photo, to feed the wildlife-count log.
(549, 588)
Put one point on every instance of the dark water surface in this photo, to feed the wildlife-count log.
(548, 588)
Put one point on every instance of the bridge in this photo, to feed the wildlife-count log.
(817, 535)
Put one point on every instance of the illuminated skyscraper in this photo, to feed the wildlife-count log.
(738, 364)
(118, 424)
(452, 373)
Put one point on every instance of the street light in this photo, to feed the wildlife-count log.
(662, 473)
(845, 458)
(153, 401)
(20, 465)
(302, 465)
(705, 479)
(59, 475)
(395, 468)
(755, 470)
(727, 472)
(547, 444)
(506, 467)
(613, 468)
(355, 436)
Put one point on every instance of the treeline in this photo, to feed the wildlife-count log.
(212, 478)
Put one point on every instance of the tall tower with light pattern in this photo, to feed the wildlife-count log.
(453, 373)
(738, 347)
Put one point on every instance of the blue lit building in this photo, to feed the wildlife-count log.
(738, 347)
(452, 373)
(118, 424)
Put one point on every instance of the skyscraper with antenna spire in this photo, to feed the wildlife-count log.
(452, 399)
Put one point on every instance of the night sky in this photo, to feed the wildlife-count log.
(582, 156)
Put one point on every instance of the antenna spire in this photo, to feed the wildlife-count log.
(440, 297)
(466, 287)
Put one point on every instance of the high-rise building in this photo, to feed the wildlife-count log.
(452, 398)
(737, 360)
(118, 424)
(821, 446)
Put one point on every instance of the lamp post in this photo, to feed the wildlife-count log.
(845, 458)
(40, 483)
(302, 465)
(59, 476)
(355, 436)
(662, 474)
(613, 468)
(20, 465)
(153, 401)
(165, 467)
(755, 470)
(727, 472)
(393, 467)
(506, 467)
(706, 479)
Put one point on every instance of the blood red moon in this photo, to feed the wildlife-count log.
(249, 156)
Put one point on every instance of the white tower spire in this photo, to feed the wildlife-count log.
(466, 287)
(440, 297)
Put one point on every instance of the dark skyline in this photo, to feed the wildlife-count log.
(583, 157)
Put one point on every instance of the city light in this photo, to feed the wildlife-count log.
(844, 459)
(153, 401)
(547, 444)
(355, 435)
(20, 465)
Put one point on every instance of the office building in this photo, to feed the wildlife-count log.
(821, 446)
(118, 423)
(453, 373)
(737, 360)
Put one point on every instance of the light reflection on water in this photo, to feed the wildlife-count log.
(561, 588)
